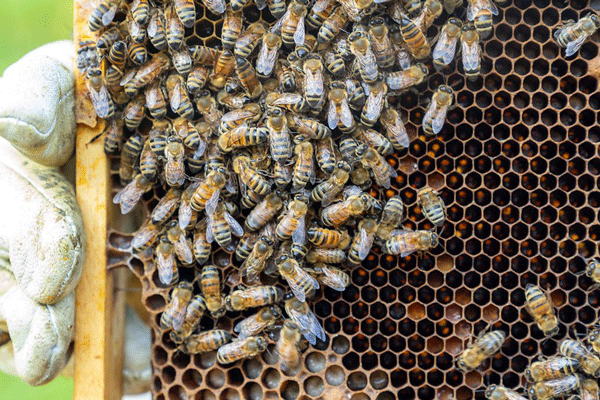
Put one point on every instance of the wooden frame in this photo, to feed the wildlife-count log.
(100, 308)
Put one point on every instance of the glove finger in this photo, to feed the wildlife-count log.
(40, 334)
(43, 223)
(37, 106)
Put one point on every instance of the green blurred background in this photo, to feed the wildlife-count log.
(25, 25)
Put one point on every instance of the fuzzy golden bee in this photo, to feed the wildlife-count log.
(551, 368)
(240, 349)
(435, 116)
(299, 312)
(404, 242)
(559, 387)
(432, 206)
(255, 324)
(256, 296)
(590, 362)
(495, 392)
(205, 341)
(573, 34)
(539, 306)
(485, 346)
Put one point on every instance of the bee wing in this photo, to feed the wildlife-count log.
(179, 312)
(346, 114)
(230, 185)
(102, 101)
(438, 122)
(218, 6)
(142, 236)
(382, 177)
(235, 226)
(491, 6)
(176, 98)
(472, 11)
(236, 115)
(320, 5)
(128, 197)
(287, 98)
(575, 45)
(299, 234)
(374, 106)
(108, 16)
(201, 148)
(165, 265)
(334, 280)
(300, 33)
(310, 326)
(365, 244)
(430, 110)
(512, 395)
(399, 132)
(267, 59)
(296, 289)
(185, 215)
(260, 4)
(330, 196)
(279, 23)
(471, 56)
(332, 116)
(211, 204)
(184, 250)
(152, 28)
(210, 236)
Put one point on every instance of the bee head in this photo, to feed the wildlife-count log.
(434, 239)
(461, 365)
(360, 150)
(490, 389)
(531, 393)
(528, 375)
(589, 271)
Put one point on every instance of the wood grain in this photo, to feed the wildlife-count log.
(100, 309)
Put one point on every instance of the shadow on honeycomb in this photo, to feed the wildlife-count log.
(519, 169)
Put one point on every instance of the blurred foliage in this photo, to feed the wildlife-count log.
(13, 388)
(25, 25)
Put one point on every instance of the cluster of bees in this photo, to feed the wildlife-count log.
(575, 369)
(286, 126)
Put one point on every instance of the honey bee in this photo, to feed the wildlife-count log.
(249, 177)
(589, 389)
(367, 63)
(301, 283)
(539, 305)
(193, 315)
(432, 206)
(103, 14)
(201, 246)
(328, 238)
(166, 207)
(325, 155)
(264, 212)
(363, 241)
(280, 141)
(255, 324)
(210, 284)
(593, 337)
(165, 262)
(471, 52)
(203, 55)
(374, 104)
(240, 349)
(175, 30)
(551, 368)
(249, 113)
(182, 60)
(481, 12)
(391, 217)
(178, 98)
(134, 112)
(267, 55)
(145, 237)
(485, 346)
(290, 101)
(232, 27)
(378, 141)
(337, 214)
(248, 40)
(277, 8)
(242, 136)
(197, 79)
(131, 194)
(255, 262)
(221, 225)
(371, 159)
(451, 5)
(339, 111)
(331, 277)
(313, 81)
(590, 362)
(101, 99)
(157, 32)
(494, 392)
(300, 313)
(332, 26)
(292, 224)
(205, 341)
(381, 44)
(282, 173)
(571, 34)
(304, 168)
(285, 77)
(402, 80)
(175, 312)
(156, 100)
(319, 12)
(129, 156)
(405, 242)
(186, 11)
(415, 40)
(431, 10)
(308, 128)
(292, 24)
(334, 63)
(547, 390)
(435, 116)
(445, 47)
(224, 68)
(288, 347)
(323, 255)
(256, 296)
(147, 73)
(248, 77)
(181, 245)
(347, 147)
(174, 167)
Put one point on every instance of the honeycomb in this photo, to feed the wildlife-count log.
(518, 166)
